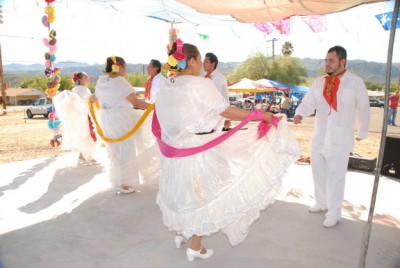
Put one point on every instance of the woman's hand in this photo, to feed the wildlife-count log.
(268, 117)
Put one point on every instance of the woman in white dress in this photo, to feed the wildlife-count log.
(117, 98)
(222, 188)
(77, 127)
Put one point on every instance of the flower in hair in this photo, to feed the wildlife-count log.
(181, 64)
(115, 67)
(179, 55)
(75, 78)
(172, 61)
(176, 56)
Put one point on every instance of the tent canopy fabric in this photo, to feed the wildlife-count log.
(248, 85)
(299, 89)
(274, 84)
(270, 10)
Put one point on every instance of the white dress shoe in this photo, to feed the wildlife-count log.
(316, 208)
(328, 223)
(191, 254)
(179, 239)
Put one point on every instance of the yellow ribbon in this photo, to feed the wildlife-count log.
(125, 136)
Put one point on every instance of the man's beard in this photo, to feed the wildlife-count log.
(329, 73)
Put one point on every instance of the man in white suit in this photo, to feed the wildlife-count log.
(336, 98)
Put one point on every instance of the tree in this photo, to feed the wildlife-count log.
(373, 86)
(253, 68)
(136, 79)
(287, 49)
(40, 82)
(34, 82)
(287, 70)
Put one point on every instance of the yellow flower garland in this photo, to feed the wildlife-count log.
(125, 136)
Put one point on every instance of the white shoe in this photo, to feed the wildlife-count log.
(328, 223)
(191, 254)
(179, 239)
(124, 190)
(82, 162)
(316, 208)
(93, 162)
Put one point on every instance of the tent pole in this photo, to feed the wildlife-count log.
(367, 229)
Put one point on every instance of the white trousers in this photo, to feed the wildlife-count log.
(329, 173)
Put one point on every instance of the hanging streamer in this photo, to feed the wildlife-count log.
(51, 71)
(50, 56)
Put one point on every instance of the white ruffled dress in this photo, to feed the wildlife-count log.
(223, 188)
(73, 111)
(131, 159)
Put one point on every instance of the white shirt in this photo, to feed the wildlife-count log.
(220, 83)
(155, 86)
(335, 131)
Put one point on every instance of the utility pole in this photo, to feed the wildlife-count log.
(273, 40)
(2, 82)
(3, 85)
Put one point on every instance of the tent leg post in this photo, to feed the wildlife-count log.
(367, 230)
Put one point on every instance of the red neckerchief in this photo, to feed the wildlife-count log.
(331, 87)
(147, 86)
(208, 75)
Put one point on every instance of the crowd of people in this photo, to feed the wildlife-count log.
(213, 181)
(286, 104)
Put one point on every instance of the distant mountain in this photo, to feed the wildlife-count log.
(369, 71)
(66, 68)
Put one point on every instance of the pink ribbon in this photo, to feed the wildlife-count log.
(171, 152)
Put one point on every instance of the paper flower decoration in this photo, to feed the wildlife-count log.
(45, 21)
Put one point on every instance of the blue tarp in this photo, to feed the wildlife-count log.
(298, 89)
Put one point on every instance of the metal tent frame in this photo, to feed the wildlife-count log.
(367, 230)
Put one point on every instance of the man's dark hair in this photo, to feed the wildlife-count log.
(213, 59)
(157, 64)
(340, 51)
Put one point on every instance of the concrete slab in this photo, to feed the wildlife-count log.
(54, 213)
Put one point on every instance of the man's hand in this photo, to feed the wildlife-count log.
(93, 98)
(297, 119)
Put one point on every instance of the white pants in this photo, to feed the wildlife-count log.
(329, 173)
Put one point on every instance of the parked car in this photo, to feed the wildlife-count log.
(39, 107)
(376, 103)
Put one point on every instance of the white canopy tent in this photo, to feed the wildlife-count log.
(271, 10)
(250, 86)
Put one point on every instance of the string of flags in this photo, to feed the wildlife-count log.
(317, 23)
(385, 20)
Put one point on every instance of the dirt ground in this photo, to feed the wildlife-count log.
(22, 138)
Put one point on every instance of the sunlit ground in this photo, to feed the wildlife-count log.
(26, 189)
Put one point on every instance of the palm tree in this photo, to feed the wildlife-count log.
(287, 49)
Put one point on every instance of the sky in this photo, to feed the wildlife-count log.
(91, 30)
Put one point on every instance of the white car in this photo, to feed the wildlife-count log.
(39, 107)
